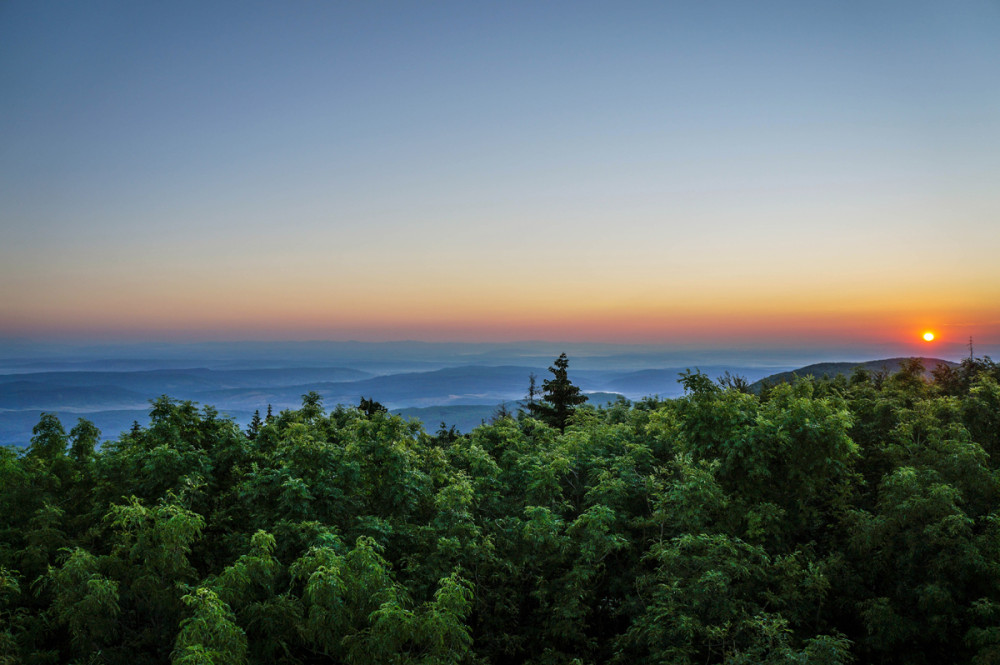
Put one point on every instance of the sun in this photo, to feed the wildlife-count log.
(928, 336)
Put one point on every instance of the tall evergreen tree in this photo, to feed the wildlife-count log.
(255, 425)
(532, 390)
(559, 396)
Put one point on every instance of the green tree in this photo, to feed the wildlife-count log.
(210, 636)
(85, 601)
(255, 424)
(83, 440)
(559, 396)
(370, 407)
(49, 440)
(312, 405)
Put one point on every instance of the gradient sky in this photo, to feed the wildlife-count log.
(716, 173)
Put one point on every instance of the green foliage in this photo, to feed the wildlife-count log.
(825, 521)
(84, 437)
(718, 599)
(49, 441)
(370, 407)
(210, 636)
(83, 600)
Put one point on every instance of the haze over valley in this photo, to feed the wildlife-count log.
(460, 385)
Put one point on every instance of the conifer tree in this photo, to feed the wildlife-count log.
(559, 396)
(255, 425)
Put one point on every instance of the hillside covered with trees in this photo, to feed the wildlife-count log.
(852, 519)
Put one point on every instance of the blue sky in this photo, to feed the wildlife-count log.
(499, 171)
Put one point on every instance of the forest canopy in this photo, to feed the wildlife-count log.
(824, 521)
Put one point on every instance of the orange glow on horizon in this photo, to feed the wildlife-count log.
(717, 310)
(290, 320)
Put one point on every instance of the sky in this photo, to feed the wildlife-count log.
(690, 173)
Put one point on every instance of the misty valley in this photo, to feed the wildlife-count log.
(460, 386)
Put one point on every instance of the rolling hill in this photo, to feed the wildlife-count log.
(829, 370)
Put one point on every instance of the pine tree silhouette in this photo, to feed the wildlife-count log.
(559, 396)
(255, 425)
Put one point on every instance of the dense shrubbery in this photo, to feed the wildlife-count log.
(852, 520)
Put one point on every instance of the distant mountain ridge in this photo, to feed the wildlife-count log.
(16, 395)
(113, 399)
(830, 370)
(192, 377)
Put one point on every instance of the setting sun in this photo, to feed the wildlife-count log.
(928, 337)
